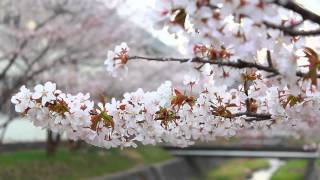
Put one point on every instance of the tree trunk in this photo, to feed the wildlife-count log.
(74, 145)
(52, 143)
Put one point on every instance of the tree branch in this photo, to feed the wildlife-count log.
(306, 14)
(253, 116)
(240, 64)
(290, 31)
(23, 45)
(269, 59)
(12, 60)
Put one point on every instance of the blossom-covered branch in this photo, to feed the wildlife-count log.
(164, 115)
(239, 64)
(287, 30)
(251, 73)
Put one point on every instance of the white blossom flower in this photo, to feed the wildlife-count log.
(117, 59)
(45, 92)
(22, 100)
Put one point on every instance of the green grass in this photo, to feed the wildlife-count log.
(83, 163)
(152, 154)
(293, 170)
(237, 169)
(318, 163)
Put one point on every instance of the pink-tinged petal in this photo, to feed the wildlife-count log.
(39, 88)
(49, 86)
(20, 108)
(37, 95)
(14, 100)
(23, 89)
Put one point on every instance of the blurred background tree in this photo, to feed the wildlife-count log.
(67, 40)
(42, 36)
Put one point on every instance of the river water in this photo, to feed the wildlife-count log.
(22, 130)
(266, 174)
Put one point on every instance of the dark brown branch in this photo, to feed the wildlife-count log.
(306, 14)
(12, 60)
(269, 59)
(39, 57)
(3, 132)
(212, 6)
(23, 45)
(240, 64)
(253, 116)
(290, 31)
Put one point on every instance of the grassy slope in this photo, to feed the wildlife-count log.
(73, 165)
(237, 169)
(293, 170)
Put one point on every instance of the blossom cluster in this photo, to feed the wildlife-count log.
(117, 59)
(233, 30)
(169, 115)
(218, 101)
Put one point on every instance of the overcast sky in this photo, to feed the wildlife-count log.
(313, 5)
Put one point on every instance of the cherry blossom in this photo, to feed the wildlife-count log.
(169, 115)
(245, 56)
(22, 100)
(45, 92)
(117, 60)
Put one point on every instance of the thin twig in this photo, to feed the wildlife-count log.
(290, 31)
(269, 59)
(256, 116)
(239, 64)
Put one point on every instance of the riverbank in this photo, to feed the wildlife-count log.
(83, 163)
(237, 169)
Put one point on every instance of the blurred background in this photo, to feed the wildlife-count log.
(66, 41)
